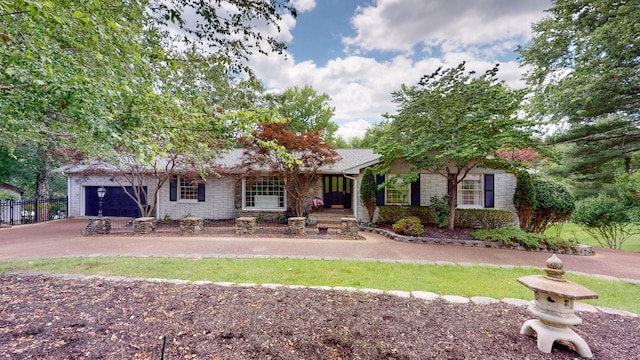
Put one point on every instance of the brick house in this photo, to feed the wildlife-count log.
(230, 196)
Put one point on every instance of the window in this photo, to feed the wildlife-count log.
(470, 191)
(188, 189)
(268, 193)
(397, 193)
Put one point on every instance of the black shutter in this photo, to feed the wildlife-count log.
(200, 192)
(173, 189)
(380, 196)
(488, 190)
(415, 192)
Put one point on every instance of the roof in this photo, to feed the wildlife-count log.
(5, 186)
(351, 162)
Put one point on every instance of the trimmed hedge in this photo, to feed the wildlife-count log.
(465, 218)
(390, 214)
(410, 226)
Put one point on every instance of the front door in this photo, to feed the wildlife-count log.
(337, 192)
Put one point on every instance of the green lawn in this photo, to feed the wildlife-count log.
(443, 279)
(574, 232)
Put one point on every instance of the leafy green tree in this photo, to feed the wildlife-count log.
(524, 198)
(369, 192)
(606, 219)
(584, 59)
(102, 78)
(306, 111)
(585, 75)
(452, 122)
(553, 203)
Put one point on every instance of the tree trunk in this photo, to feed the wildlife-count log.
(452, 206)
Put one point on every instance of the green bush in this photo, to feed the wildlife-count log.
(441, 210)
(524, 198)
(483, 218)
(390, 214)
(554, 203)
(409, 226)
(608, 220)
(510, 236)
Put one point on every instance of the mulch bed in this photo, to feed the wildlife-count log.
(51, 317)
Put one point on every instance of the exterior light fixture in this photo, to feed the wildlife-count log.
(101, 192)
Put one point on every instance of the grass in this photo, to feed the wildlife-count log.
(465, 281)
(574, 232)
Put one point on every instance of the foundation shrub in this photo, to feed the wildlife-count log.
(390, 214)
(483, 218)
(408, 226)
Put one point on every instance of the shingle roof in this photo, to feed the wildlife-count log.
(352, 161)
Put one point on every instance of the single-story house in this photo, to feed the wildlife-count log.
(229, 195)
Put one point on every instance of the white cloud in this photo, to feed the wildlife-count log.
(304, 5)
(353, 129)
(361, 87)
(407, 25)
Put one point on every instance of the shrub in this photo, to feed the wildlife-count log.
(408, 226)
(606, 219)
(391, 214)
(483, 218)
(6, 195)
(441, 210)
(554, 203)
(509, 236)
(524, 198)
(369, 192)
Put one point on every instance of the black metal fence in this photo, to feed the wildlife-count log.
(18, 212)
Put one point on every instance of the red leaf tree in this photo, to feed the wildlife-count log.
(293, 157)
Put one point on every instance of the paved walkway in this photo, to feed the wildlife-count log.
(63, 238)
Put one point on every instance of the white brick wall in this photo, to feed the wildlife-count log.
(218, 204)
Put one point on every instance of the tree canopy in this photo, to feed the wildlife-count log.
(452, 122)
(584, 59)
(145, 78)
(306, 111)
(584, 70)
(296, 163)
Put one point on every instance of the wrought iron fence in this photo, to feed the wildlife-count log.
(18, 212)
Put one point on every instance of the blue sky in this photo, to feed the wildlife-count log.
(358, 52)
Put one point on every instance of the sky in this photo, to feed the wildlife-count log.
(360, 51)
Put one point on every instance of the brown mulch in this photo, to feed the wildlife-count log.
(52, 317)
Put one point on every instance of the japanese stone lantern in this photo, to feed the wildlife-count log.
(554, 308)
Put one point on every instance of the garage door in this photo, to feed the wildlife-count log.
(115, 203)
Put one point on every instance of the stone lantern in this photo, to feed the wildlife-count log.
(554, 308)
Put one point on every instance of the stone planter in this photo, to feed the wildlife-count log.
(297, 226)
(191, 225)
(349, 228)
(144, 225)
(246, 225)
(98, 226)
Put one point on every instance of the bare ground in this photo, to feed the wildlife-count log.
(52, 317)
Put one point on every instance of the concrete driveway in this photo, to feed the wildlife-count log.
(62, 238)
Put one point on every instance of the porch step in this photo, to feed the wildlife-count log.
(330, 222)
